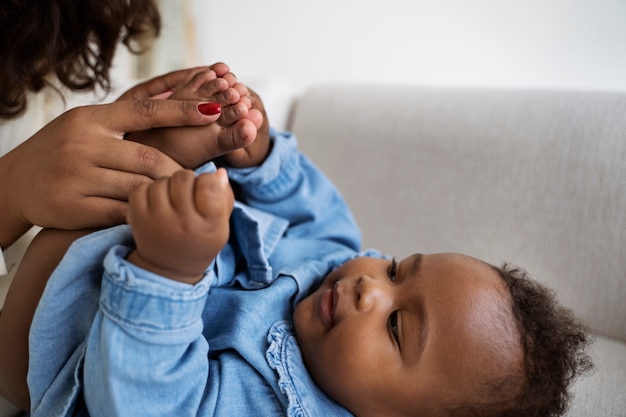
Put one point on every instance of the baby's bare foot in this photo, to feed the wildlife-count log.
(255, 153)
(239, 118)
(192, 145)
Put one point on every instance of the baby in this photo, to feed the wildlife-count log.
(259, 302)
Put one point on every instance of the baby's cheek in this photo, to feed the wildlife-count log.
(303, 324)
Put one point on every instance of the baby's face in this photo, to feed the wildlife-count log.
(385, 339)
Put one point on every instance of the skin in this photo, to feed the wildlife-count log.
(193, 216)
(241, 134)
(405, 343)
(76, 172)
(183, 206)
(192, 213)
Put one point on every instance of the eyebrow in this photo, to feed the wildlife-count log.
(417, 264)
(421, 316)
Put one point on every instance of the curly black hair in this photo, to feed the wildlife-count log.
(555, 346)
(72, 39)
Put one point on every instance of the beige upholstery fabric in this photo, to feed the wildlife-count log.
(537, 178)
(604, 392)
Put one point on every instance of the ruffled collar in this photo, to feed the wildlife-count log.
(304, 396)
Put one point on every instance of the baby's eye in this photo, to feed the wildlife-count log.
(392, 270)
(393, 325)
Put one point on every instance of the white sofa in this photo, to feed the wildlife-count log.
(537, 178)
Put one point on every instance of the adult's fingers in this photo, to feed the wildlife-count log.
(100, 212)
(161, 84)
(123, 164)
(135, 115)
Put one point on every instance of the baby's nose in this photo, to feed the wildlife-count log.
(371, 293)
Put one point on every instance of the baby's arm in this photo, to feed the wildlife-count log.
(146, 339)
(180, 223)
(288, 185)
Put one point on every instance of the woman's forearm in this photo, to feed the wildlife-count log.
(11, 226)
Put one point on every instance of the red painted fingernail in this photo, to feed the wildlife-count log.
(209, 108)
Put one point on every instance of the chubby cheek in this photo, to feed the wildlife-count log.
(344, 363)
(307, 327)
(308, 332)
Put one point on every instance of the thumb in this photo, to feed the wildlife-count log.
(136, 115)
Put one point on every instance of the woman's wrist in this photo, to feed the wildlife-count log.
(11, 229)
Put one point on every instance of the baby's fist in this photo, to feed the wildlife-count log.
(180, 223)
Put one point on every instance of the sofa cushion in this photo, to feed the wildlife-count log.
(602, 393)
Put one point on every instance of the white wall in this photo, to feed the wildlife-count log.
(536, 43)
(578, 44)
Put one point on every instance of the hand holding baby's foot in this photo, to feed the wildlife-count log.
(237, 127)
(245, 129)
(180, 223)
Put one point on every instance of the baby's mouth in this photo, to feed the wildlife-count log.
(328, 301)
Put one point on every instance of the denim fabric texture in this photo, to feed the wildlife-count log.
(111, 339)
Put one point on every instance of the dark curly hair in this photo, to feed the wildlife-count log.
(72, 39)
(555, 345)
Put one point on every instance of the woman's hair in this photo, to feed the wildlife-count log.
(72, 39)
(554, 344)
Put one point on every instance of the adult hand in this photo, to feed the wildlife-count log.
(240, 137)
(192, 146)
(76, 172)
(242, 121)
(163, 86)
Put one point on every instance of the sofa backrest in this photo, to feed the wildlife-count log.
(536, 178)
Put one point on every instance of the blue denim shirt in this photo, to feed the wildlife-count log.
(110, 339)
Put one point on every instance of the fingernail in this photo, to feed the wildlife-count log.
(162, 95)
(222, 175)
(209, 109)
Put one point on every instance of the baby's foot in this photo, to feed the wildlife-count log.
(236, 128)
(255, 153)
(239, 121)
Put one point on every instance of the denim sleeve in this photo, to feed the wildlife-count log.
(146, 354)
(289, 185)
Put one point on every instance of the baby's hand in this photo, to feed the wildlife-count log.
(180, 223)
